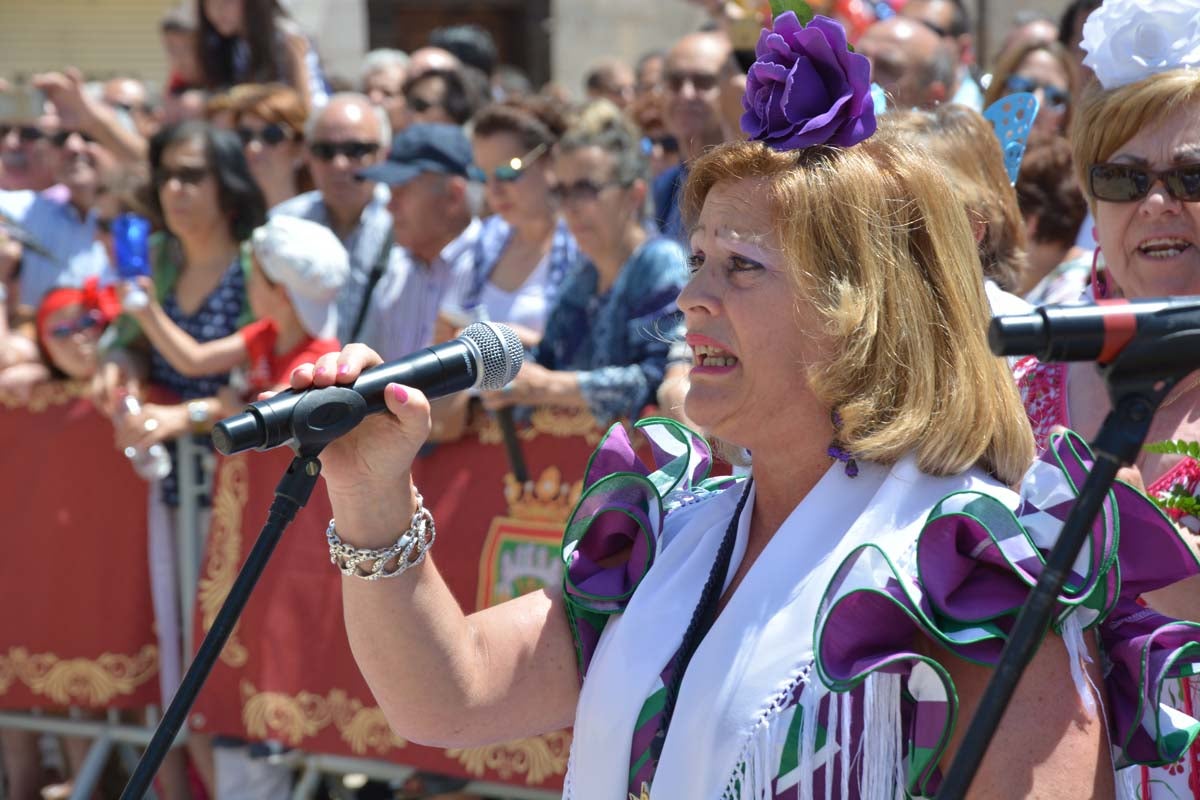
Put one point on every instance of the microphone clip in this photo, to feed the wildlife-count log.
(322, 416)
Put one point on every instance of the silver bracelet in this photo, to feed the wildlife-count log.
(371, 565)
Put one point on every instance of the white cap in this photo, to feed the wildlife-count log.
(307, 259)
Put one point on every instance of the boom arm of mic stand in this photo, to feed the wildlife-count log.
(1135, 396)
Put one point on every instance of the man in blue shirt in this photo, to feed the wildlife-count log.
(67, 252)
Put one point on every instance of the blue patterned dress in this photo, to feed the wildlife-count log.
(218, 316)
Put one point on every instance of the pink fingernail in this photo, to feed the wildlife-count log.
(344, 369)
(320, 371)
(399, 393)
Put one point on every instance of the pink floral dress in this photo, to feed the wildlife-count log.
(1043, 390)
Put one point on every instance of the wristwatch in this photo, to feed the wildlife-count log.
(198, 416)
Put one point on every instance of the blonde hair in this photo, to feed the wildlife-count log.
(881, 248)
(1107, 118)
(966, 148)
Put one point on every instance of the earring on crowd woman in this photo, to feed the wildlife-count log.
(1099, 278)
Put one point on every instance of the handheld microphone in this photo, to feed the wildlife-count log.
(486, 355)
(1100, 332)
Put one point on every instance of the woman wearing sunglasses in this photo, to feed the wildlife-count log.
(269, 120)
(1043, 70)
(68, 325)
(208, 202)
(524, 249)
(1136, 144)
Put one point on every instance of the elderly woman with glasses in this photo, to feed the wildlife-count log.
(1136, 143)
(606, 339)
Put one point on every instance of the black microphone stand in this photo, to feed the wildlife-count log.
(1138, 379)
(314, 425)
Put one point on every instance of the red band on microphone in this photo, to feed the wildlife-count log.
(1119, 329)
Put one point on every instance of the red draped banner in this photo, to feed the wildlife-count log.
(77, 627)
(287, 673)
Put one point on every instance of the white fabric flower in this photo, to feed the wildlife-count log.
(1127, 40)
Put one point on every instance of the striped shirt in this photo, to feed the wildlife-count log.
(404, 306)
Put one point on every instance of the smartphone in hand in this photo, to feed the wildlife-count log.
(131, 246)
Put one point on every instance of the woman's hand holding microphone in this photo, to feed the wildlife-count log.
(368, 470)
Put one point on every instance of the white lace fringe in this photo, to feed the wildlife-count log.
(847, 702)
(810, 706)
(831, 740)
(760, 754)
(882, 756)
(1077, 654)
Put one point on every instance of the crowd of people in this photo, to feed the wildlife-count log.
(788, 244)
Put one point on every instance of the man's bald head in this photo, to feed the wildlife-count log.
(913, 64)
(692, 77)
(427, 59)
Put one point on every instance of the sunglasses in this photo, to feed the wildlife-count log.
(84, 322)
(26, 133)
(700, 81)
(420, 105)
(585, 191)
(1122, 183)
(270, 136)
(507, 173)
(59, 139)
(669, 144)
(188, 176)
(354, 151)
(1056, 97)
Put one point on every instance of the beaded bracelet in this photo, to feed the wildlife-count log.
(408, 551)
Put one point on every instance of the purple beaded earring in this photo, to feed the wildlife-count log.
(836, 451)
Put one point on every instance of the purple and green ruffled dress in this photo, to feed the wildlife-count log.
(829, 626)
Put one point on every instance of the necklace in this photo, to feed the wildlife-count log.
(1178, 392)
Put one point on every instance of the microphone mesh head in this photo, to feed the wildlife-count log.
(500, 351)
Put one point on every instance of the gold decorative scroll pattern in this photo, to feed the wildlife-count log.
(46, 395)
(225, 552)
(544, 420)
(78, 681)
(292, 719)
(537, 758)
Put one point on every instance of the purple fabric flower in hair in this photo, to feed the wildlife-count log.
(807, 88)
